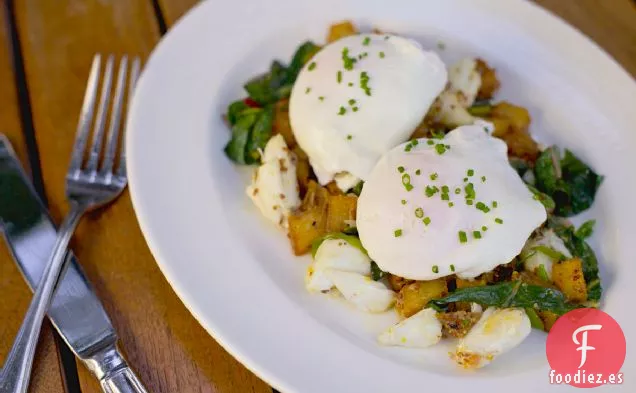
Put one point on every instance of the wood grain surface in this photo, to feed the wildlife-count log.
(167, 347)
(46, 373)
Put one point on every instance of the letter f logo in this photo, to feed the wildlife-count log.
(583, 344)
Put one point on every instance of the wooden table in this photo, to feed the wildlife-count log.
(45, 52)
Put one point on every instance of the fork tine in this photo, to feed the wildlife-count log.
(115, 117)
(100, 122)
(134, 74)
(86, 116)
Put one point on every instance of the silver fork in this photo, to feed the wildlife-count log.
(89, 186)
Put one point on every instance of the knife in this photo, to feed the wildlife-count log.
(75, 311)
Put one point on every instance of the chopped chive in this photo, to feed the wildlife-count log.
(414, 142)
(477, 234)
(347, 60)
(462, 237)
(483, 179)
(366, 41)
(458, 190)
(452, 267)
(447, 147)
(445, 197)
(434, 176)
(419, 212)
(321, 98)
(307, 90)
(404, 201)
(352, 101)
(445, 189)
(495, 204)
(349, 137)
(426, 220)
(312, 65)
(498, 220)
(469, 202)
(430, 191)
(470, 172)
(435, 269)
(408, 148)
(465, 179)
(430, 142)
(350, 84)
(355, 109)
(339, 76)
(342, 111)
(364, 83)
(381, 55)
(440, 148)
(470, 191)
(482, 206)
(418, 172)
(451, 204)
(397, 233)
(406, 181)
(400, 169)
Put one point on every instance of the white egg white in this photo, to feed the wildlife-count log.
(391, 216)
(420, 330)
(346, 114)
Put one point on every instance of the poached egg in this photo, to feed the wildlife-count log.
(359, 97)
(436, 207)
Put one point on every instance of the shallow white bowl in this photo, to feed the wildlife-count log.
(236, 273)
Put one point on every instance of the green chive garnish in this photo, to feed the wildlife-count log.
(498, 220)
(321, 98)
(470, 172)
(355, 109)
(465, 179)
(364, 83)
(348, 61)
(366, 41)
(434, 176)
(484, 228)
(397, 233)
(495, 204)
(435, 269)
(339, 76)
(404, 201)
(307, 90)
(445, 189)
(462, 237)
(312, 65)
(430, 191)
(482, 206)
(419, 212)
(477, 234)
(452, 268)
(352, 101)
(406, 181)
(441, 149)
(381, 55)
(342, 111)
(451, 204)
(349, 137)
(426, 220)
(401, 169)
(430, 142)
(470, 191)
(469, 202)
(350, 84)
(418, 172)
(458, 190)
(445, 197)
(483, 179)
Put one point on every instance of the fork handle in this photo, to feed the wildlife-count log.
(122, 381)
(15, 376)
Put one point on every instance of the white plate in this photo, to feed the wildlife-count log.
(236, 273)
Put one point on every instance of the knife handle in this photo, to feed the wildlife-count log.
(123, 380)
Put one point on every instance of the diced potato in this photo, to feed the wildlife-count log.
(341, 30)
(568, 277)
(511, 124)
(304, 228)
(340, 210)
(303, 171)
(398, 282)
(489, 81)
(477, 282)
(518, 116)
(532, 279)
(413, 297)
(281, 122)
(457, 324)
(548, 318)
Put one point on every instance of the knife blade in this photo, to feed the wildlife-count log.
(76, 312)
